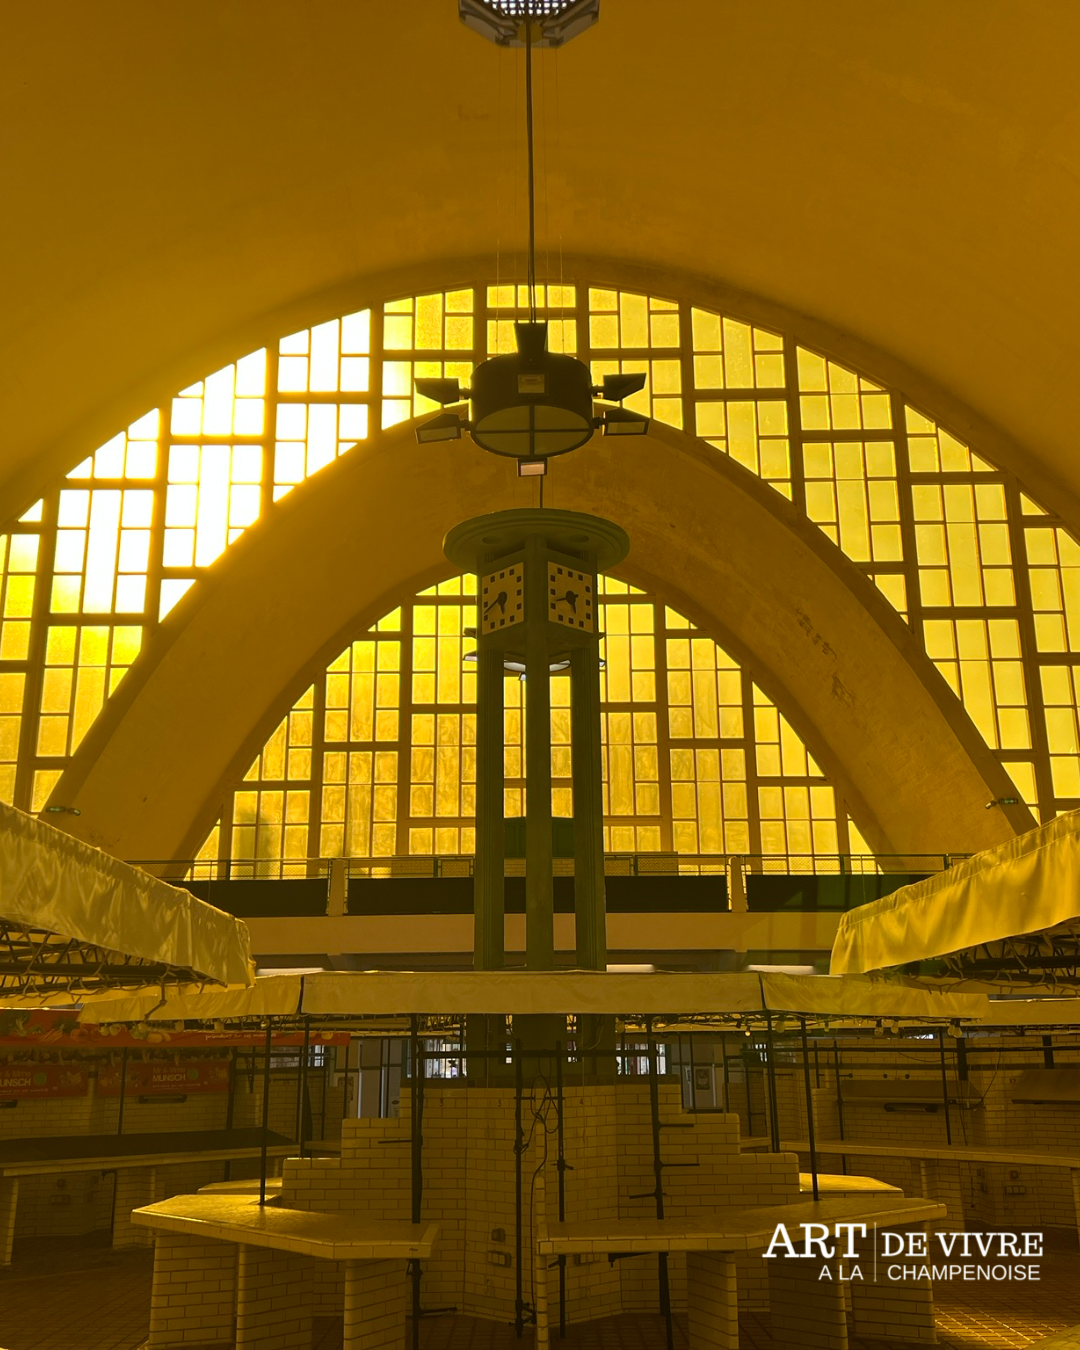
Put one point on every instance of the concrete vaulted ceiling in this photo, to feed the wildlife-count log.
(154, 772)
(178, 173)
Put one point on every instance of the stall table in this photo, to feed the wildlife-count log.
(203, 1294)
(128, 1153)
(806, 1309)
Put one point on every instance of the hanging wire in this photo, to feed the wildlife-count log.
(558, 148)
(545, 172)
(499, 159)
(532, 185)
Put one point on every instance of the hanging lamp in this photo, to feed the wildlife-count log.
(531, 405)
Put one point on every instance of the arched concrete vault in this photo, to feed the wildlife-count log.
(345, 547)
(883, 167)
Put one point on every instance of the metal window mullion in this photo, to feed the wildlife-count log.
(405, 723)
(795, 429)
(269, 436)
(686, 364)
(375, 369)
(27, 763)
(663, 732)
(318, 749)
(915, 612)
(1029, 652)
(850, 435)
(159, 485)
(753, 805)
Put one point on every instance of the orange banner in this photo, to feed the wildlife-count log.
(61, 1030)
(19, 1081)
(165, 1077)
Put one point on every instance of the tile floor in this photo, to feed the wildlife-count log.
(80, 1296)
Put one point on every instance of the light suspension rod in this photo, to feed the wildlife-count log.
(532, 189)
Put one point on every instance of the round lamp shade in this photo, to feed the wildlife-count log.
(534, 410)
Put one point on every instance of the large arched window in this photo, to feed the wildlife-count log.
(376, 758)
(987, 580)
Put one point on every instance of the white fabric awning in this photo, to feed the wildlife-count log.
(1033, 1012)
(1026, 885)
(86, 920)
(563, 992)
(269, 996)
(849, 996)
(401, 993)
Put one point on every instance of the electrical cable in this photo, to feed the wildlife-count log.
(532, 186)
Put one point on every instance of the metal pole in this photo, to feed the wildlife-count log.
(727, 1076)
(265, 1114)
(489, 883)
(693, 1084)
(539, 892)
(945, 1086)
(590, 902)
(123, 1090)
(658, 1174)
(230, 1103)
(322, 1112)
(770, 1080)
(561, 1170)
(305, 1054)
(416, 1111)
(839, 1099)
(809, 1107)
(519, 1144)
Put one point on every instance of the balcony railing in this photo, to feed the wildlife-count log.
(615, 865)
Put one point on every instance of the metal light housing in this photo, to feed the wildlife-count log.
(446, 426)
(533, 404)
(617, 387)
(553, 21)
(623, 422)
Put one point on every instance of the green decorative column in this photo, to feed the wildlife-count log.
(537, 612)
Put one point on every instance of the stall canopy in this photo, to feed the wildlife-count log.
(269, 996)
(1033, 1012)
(668, 998)
(74, 921)
(1011, 912)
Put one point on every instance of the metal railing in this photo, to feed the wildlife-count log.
(178, 870)
(615, 865)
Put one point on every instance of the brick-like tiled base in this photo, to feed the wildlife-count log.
(70, 1296)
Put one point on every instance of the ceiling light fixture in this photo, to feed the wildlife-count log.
(533, 404)
(553, 21)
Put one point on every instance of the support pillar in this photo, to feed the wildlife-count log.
(193, 1297)
(538, 612)
(375, 1301)
(135, 1187)
(489, 885)
(804, 1309)
(590, 900)
(274, 1291)
(896, 1310)
(9, 1203)
(539, 877)
(1074, 1177)
(712, 1301)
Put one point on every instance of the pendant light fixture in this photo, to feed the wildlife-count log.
(533, 404)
